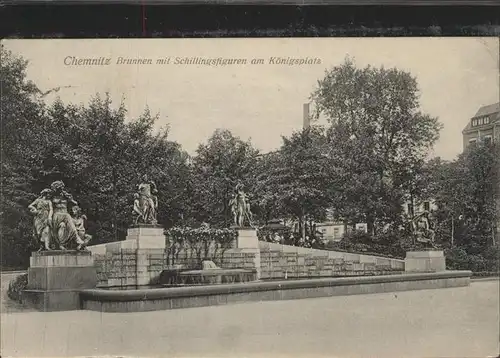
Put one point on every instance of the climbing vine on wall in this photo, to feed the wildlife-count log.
(199, 243)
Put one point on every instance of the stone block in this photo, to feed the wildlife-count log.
(61, 258)
(357, 267)
(425, 261)
(117, 247)
(97, 249)
(247, 239)
(134, 232)
(58, 278)
(47, 301)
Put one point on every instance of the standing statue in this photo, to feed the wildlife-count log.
(64, 230)
(79, 221)
(137, 211)
(146, 202)
(42, 209)
(240, 207)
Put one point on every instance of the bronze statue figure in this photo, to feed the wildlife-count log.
(146, 202)
(240, 207)
(79, 220)
(43, 211)
(64, 229)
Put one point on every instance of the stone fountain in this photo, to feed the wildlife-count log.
(246, 241)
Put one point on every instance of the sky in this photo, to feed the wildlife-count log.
(261, 102)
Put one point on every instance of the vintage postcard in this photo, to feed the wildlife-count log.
(271, 197)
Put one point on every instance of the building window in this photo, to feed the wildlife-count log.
(487, 139)
(361, 227)
(427, 206)
(486, 120)
(336, 232)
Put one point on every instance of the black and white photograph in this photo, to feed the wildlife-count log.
(250, 197)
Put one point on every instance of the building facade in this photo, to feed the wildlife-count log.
(412, 209)
(483, 126)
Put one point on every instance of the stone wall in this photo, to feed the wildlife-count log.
(280, 265)
(285, 261)
(395, 264)
(131, 267)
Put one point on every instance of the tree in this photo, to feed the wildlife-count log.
(217, 167)
(467, 191)
(21, 114)
(97, 151)
(377, 135)
(103, 157)
(296, 182)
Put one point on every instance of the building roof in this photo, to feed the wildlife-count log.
(493, 110)
(486, 110)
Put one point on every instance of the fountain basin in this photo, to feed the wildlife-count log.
(212, 295)
(213, 276)
(216, 276)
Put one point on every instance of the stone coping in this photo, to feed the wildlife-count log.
(215, 272)
(61, 252)
(103, 295)
(154, 226)
(424, 254)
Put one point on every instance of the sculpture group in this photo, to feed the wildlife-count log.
(54, 226)
(422, 228)
(59, 223)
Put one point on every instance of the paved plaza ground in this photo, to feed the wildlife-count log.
(454, 322)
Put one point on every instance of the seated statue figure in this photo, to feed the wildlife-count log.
(79, 221)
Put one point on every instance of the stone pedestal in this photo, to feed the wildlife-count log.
(56, 277)
(140, 240)
(143, 236)
(425, 261)
(247, 241)
(147, 236)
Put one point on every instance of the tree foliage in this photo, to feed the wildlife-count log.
(467, 192)
(21, 119)
(218, 166)
(378, 137)
(362, 167)
(294, 182)
(97, 151)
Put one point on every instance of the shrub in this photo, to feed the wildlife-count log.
(16, 286)
(390, 244)
(202, 243)
(485, 274)
(457, 258)
(288, 237)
